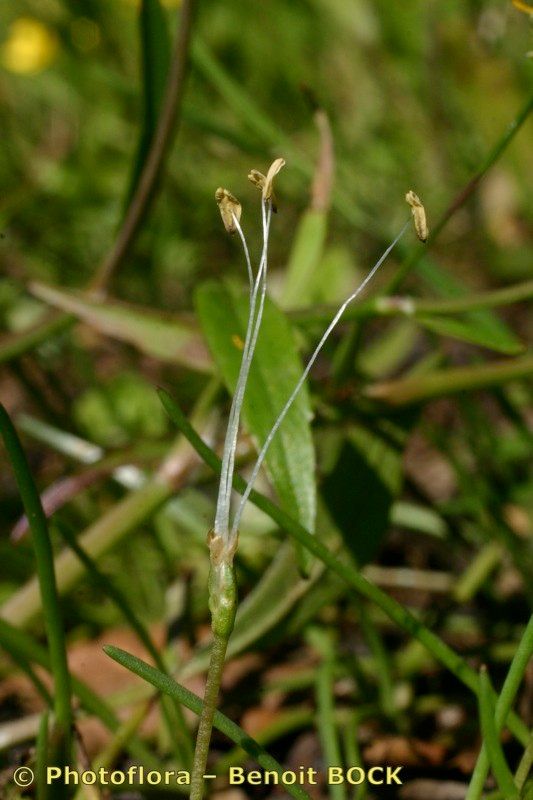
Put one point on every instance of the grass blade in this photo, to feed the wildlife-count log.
(501, 770)
(47, 583)
(522, 657)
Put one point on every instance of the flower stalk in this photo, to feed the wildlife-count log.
(223, 538)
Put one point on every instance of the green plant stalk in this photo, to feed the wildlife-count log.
(223, 607)
(394, 610)
(61, 736)
(41, 761)
(500, 768)
(510, 687)
(166, 685)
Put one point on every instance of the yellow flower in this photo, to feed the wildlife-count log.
(29, 48)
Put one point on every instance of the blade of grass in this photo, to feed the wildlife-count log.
(500, 768)
(155, 54)
(394, 610)
(519, 664)
(48, 590)
(166, 685)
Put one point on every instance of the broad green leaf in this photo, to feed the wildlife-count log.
(168, 338)
(475, 327)
(275, 370)
(360, 490)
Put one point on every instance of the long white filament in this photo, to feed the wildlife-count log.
(286, 407)
(252, 332)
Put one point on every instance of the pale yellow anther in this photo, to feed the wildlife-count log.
(229, 207)
(419, 215)
(265, 182)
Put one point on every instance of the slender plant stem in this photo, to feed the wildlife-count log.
(524, 768)
(47, 585)
(203, 738)
(519, 664)
(146, 186)
(394, 610)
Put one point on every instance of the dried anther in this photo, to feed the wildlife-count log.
(229, 207)
(419, 216)
(265, 182)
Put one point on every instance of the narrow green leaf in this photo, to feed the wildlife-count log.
(169, 338)
(275, 370)
(491, 739)
(475, 328)
(155, 57)
(169, 687)
(48, 589)
(419, 388)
